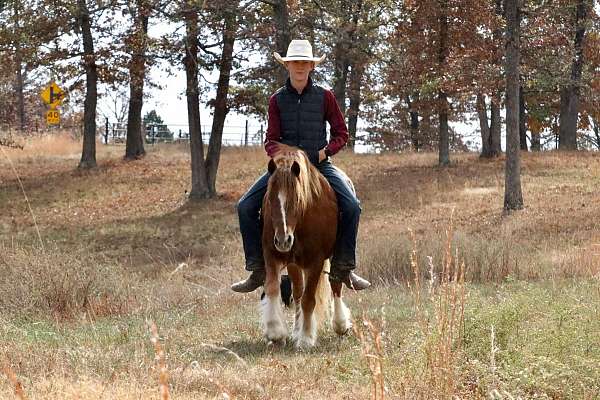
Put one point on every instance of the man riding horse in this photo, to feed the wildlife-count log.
(298, 113)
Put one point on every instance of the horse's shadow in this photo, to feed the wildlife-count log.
(328, 343)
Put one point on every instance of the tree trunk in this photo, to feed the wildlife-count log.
(221, 107)
(343, 60)
(357, 62)
(356, 75)
(134, 145)
(340, 73)
(88, 155)
(414, 124)
(444, 137)
(513, 197)
(496, 100)
(495, 126)
(483, 125)
(199, 189)
(596, 129)
(282, 35)
(19, 81)
(522, 120)
(535, 141)
(19, 88)
(569, 96)
(444, 140)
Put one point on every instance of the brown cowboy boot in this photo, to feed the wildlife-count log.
(350, 279)
(250, 284)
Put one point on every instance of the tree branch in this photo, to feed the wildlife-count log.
(269, 2)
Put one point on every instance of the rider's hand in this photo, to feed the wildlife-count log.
(322, 155)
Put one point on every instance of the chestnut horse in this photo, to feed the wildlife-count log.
(300, 217)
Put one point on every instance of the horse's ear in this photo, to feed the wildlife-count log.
(272, 167)
(296, 168)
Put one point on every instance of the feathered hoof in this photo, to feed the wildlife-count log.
(342, 328)
(276, 333)
(302, 342)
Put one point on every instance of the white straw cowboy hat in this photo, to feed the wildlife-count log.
(299, 50)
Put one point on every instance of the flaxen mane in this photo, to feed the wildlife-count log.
(307, 187)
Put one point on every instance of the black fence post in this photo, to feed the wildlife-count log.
(246, 135)
(106, 131)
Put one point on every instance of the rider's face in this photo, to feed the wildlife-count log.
(299, 70)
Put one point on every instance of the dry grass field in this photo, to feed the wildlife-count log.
(466, 303)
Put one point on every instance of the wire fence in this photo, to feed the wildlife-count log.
(233, 135)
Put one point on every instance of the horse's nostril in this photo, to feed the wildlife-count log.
(283, 242)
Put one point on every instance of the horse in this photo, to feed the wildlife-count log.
(300, 217)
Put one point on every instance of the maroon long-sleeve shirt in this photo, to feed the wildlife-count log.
(333, 115)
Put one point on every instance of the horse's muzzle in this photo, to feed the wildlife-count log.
(285, 243)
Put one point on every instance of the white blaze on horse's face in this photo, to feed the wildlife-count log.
(284, 234)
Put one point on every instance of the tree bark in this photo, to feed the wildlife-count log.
(513, 197)
(414, 124)
(535, 141)
(88, 155)
(19, 81)
(596, 129)
(495, 126)
(569, 96)
(340, 72)
(199, 188)
(496, 100)
(343, 60)
(522, 120)
(356, 75)
(221, 106)
(134, 144)
(282, 35)
(483, 125)
(19, 88)
(444, 141)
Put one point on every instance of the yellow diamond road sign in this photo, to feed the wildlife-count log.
(53, 95)
(53, 117)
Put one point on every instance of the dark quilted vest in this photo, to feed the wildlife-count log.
(302, 117)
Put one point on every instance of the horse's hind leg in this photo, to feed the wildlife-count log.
(297, 279)
(307, 331)
(273, 321)
(341, 321)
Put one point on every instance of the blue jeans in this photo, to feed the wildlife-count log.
(344, 254)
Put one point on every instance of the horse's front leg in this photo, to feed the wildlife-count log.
(297, 279)
(307, 331)
(341, 321)
(272, 311)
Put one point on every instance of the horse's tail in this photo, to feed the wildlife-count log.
(323, 295)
